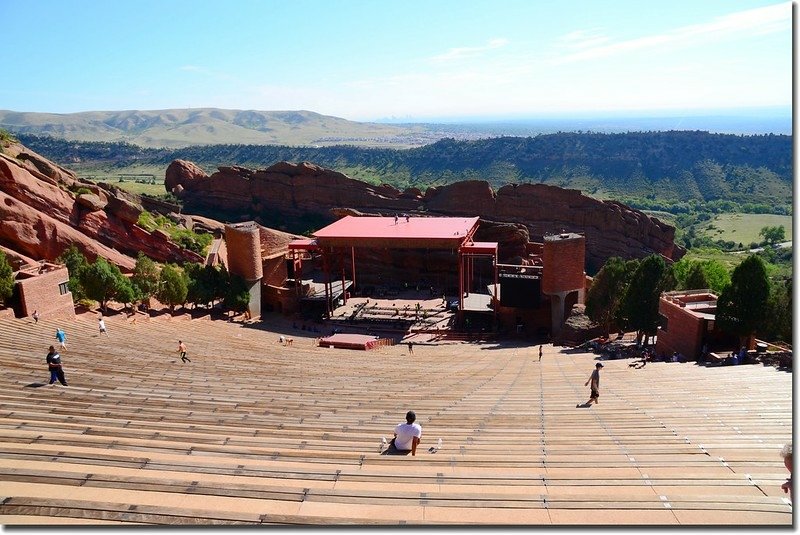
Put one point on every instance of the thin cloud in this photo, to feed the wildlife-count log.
(759, 21)
(469, 51)
(582, 39)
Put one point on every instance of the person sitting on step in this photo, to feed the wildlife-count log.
(406, 437)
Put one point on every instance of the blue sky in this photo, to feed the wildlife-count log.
(366, 60)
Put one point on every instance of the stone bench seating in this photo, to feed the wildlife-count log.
(253, 432)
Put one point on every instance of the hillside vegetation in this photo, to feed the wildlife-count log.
(669, 171)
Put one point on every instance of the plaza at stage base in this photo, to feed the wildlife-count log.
(354, 341)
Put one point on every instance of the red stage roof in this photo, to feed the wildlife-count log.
(480, 247)
(385, 228)
(303, 244)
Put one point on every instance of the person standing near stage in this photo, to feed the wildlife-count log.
(54, 365)
(411, 348)
(540, 352)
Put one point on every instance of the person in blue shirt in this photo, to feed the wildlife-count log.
(61, 336)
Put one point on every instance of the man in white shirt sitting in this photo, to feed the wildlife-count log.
(406, 437)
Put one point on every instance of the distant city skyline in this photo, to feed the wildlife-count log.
(413, 60)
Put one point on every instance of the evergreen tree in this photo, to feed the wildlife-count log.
(696, 278)
(203, 282)
(640, 303)
(605, 294)
(6, 278)
(779, 312)
(238, 296)
(172, 287)
(742, 307)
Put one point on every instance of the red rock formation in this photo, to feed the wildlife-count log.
(181, 171)
(611, 228)
(40, 216)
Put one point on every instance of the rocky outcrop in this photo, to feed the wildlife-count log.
(40, 216)
(179, 172)
(297, 190)
(578, 328)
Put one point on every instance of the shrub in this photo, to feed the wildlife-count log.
(6, 278)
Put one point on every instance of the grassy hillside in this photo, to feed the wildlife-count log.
(744, 228)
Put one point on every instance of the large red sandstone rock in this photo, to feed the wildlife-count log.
(40, 217)
(611, 229)
(40, 236)
(91, 202)
(181, 171)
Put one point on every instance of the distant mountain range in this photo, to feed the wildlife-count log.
(207, 126)
(179, 128)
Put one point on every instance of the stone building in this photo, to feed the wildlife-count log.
(688, 322)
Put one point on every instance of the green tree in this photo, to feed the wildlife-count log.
(696, 278)
(145, 278)
(742, 307)
(714, 273)
(237, 297)
(206, 283)
(717, 275)
(127, 293)
(101, 281)
(76, 263)
(779, 312)
(172, 287)
(221, 282)
(6, 278)
(640, 302)
(605, 294)
(773, 235)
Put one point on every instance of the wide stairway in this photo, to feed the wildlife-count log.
(254, 432)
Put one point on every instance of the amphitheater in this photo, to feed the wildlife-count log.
(254, 432)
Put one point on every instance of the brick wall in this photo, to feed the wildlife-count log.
(684, 332)
(40, 291)
(564, 259)
(244, 250)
